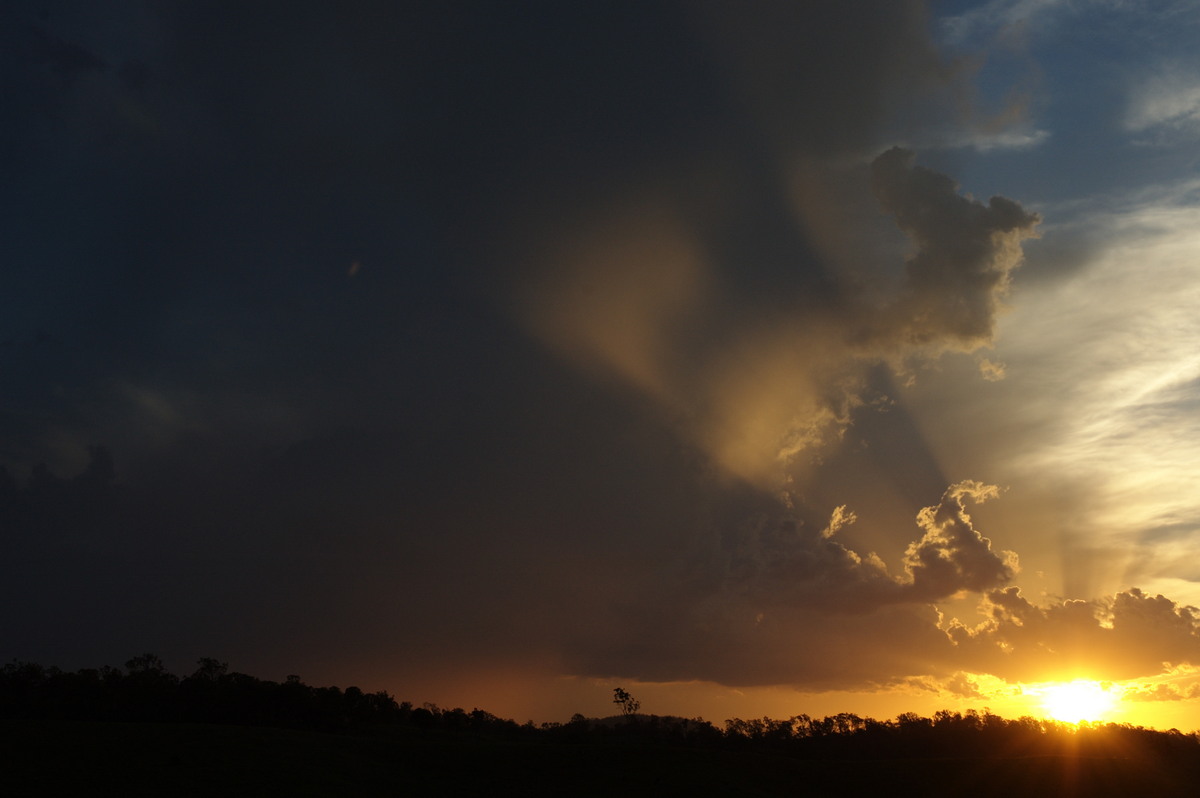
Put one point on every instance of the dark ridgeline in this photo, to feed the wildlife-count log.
(145, 731)
(145, 691)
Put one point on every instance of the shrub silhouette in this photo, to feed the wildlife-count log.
(629, 705)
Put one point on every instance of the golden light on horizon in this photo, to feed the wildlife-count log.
(1076, 701)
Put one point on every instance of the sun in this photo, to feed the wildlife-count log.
(1077, 701)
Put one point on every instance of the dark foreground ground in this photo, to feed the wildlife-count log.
(144, 759)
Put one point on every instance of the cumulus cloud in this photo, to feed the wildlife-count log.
(1128, 635)
(1097, 408)
(713, 282)
(1162, 691)
(841, 517)
(966, 253)
(778, 602)
(958, 684)
(952, 555)
(963, 685)
(639, 292)
(736, 638)
(764, 368)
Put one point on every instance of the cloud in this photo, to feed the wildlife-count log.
(1018, 137)
(952, 555)
(780, 602)
(1098, 401)
(690, 258)
(840, 518)
(962, 684)
(774, 601)
(737, 637)
(638, 292)
(783, 60)
(983, 19)
(956, 685)
(1169, 99)
(966, 253)
(1125, 636)
(991, 370)
(1164, 691)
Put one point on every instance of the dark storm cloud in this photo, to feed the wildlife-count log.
(638, 291)
(548, 418)
(775, 601)
(783, 564)
(65, 58)
(821, 77)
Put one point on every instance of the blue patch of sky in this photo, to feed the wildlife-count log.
(1083, 63)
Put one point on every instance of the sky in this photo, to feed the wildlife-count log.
(762, 358)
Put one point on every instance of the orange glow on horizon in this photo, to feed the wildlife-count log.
(541, 696)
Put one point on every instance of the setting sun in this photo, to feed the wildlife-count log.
(1076, 701)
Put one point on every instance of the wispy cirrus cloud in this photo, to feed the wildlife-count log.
(1166, 103)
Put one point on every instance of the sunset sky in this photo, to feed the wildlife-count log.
(762, 358)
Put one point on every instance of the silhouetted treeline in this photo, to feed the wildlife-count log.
(957, 735)
(145, 691)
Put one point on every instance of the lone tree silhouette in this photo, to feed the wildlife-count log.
(629, 705)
